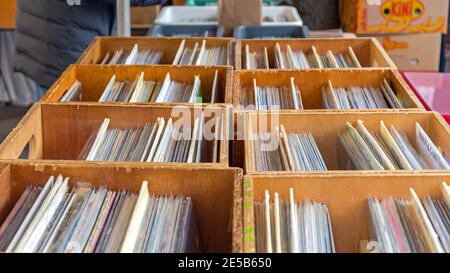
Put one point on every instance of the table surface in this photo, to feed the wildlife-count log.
(433, 89)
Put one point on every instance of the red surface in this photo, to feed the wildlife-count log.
(433, 90)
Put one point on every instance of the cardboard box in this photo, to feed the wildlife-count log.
(326, 126)
(60, 131)
(413, 52)
(395, 16)
(95, 78)
(100, 46)
(144, 17)
(368, 50)
(7, 14)
(221, 189)
(233, 13)
(311, 91)
(345, 196)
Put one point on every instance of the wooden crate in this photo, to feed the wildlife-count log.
(368, 50)
(220, 229)
(345, 196)
(326, 126)
(95, 78)
(59, 132)
(311, 83)
(100, 46)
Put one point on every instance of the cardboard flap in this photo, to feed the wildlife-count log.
(233, 13)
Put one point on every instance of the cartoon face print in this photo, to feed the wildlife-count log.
(402, 10)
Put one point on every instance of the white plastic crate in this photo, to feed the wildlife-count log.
(174, 15)
(183, 15)
(288, 15)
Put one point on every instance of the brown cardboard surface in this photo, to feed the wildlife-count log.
(220, 228)
(144, 17)
(413, 52)
(233, 13)
(179, 2)
(7, 14)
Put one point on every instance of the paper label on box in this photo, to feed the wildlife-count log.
(401, 16)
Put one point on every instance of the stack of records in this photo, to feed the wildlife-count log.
(55, 219)
(200, 55)
(299, 59)
(372, 97)
(135, 57)
(412, 226)
(281, 151)
(161, 141)
(290, 227)
(142, 91)
(74, 93)
(272, 97)
(391, 149)
(256, 60)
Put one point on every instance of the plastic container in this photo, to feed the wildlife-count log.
(186, 30)
(184, 15)
(267, 32)
(207, 15)
(290, 14)
(433, 90)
